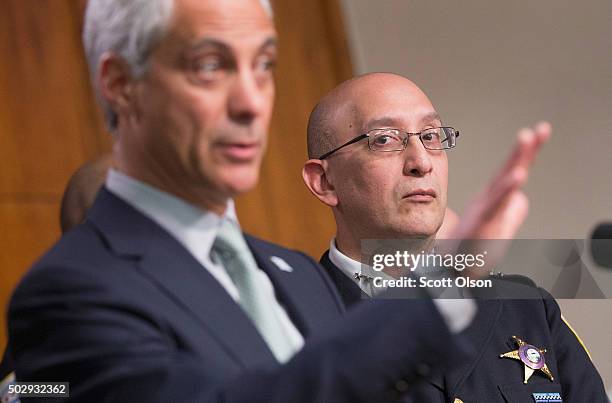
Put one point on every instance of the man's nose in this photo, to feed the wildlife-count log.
(417, 159)
(247, 98)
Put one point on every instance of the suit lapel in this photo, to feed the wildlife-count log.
(478, 335)
(291, 289)
(348, 289)
(177, 273)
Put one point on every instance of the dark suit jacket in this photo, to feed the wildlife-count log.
(123, 312)
(485, 377)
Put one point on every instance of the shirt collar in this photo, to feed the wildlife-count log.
(348, 266)
(193, 227)
(361, 274)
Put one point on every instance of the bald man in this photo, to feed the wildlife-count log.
(377, 151)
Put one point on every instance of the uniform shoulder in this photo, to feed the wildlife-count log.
(516, 279)
(512, 286)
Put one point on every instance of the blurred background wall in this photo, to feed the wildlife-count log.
(491, 68)
(49, 125)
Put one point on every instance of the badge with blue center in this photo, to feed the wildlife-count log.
(531, 356)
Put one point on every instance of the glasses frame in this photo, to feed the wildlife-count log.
(405, 142)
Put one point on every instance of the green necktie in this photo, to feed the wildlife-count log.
(231, 250)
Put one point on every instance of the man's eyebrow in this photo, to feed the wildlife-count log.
(391, 121)
(270, 42)
(382, 121)
(215, 43)
(431, 117)
(209, 42)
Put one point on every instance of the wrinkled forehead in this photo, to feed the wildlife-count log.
(231, 20)
(400, 105)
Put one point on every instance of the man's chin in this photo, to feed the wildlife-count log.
(419, 228)
(239, 182)
(418, 233)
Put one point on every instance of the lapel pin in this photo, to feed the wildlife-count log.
(531, 356)
(281, 264)
(359, 276)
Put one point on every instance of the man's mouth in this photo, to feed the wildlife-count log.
(420, 195)
(240, 151)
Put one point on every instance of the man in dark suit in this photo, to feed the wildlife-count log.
(158, 295)
(378, 159)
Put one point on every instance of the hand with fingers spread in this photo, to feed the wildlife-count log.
(499, 211)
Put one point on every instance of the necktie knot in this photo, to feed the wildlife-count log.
(229, 243)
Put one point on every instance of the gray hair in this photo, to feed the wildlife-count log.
(129, 28)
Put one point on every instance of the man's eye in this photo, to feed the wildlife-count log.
(209, 68)
(266, 64)
(386, 139)
(383, 139)
(264, 67)
(431, 135)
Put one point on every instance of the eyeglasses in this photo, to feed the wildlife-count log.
(387, 140)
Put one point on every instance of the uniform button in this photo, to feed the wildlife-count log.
(457, 400)
(401, 386)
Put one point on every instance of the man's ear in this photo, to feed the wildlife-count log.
(317, 182)
(115, 82)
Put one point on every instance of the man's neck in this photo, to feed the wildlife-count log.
(156, 178)
(355, 250)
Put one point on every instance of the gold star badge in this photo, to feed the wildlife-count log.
(531, 356)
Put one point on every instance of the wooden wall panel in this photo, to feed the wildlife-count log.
(29, 223)
(43, 83)
(49, 125)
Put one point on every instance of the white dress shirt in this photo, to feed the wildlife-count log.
(457, 313)
(196, 230)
